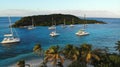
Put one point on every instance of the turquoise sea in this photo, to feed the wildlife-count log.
(101, 36)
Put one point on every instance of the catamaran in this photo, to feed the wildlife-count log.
(52, 27)
(10, 38)
(82, 32)
(72, 25)
(32, 26)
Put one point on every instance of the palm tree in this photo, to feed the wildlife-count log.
(53, 55)
(91, 56)
(86, 47)
(21, 63)
(38, 50)
(71, 52)
(84, 50)
(88, 55)
(118, 46)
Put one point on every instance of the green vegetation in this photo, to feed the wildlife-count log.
(79, 56)
(118, 46)
(46, 20)
(82, 56)
(53, 54)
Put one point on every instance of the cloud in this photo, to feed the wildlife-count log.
(89, 13)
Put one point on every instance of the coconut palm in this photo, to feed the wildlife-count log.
(53, 55)
(71, 52)
(38, 50)
(86, 47)
(84, 50)
(88, 55)
(118, 46)
(91, 56)
(21, 63)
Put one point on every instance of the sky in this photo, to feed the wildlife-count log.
(92, 8)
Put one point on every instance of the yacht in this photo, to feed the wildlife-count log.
(64, 25)
(52, 27)
(54, 33)
(10, 38)
(72, 25)
(82, 32)
(32, 26)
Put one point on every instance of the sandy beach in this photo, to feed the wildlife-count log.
(36, 62)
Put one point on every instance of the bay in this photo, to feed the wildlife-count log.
(101, 36)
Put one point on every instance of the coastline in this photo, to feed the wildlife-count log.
(35, 62)
(30, 58)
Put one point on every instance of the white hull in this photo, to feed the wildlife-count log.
(72, 25)
(63, 26)
(82, 34)
(10, 40)
(30, 27)
(52, 27)
(54, 34)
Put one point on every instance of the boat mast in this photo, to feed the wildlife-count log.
(84, 21)
(72, 20)
(52, 20)
(64, 21)
(10, 25)
(32, 22)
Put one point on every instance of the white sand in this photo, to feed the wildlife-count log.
(36, 62)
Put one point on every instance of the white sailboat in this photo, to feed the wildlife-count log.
(52, 27)
(54, 33)
(10, 38)
(72, 25)
(32, 26)
(82, 32)
(64, 25)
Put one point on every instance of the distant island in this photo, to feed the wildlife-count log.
(46, 20)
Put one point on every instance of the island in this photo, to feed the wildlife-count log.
(48, 20)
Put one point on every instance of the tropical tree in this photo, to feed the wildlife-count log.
(38, 50)
(53, 54)
(92, 58)
(118, 46)
(84, 50)
(71, 52)
(88, 56)
(21, 63)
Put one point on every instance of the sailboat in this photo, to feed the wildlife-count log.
(82, 32)
(72, 25)
(64, 25)
(52, 27)
(32, 26)
(10, 38)
(54, 33)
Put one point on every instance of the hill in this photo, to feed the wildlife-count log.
(46, 20)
